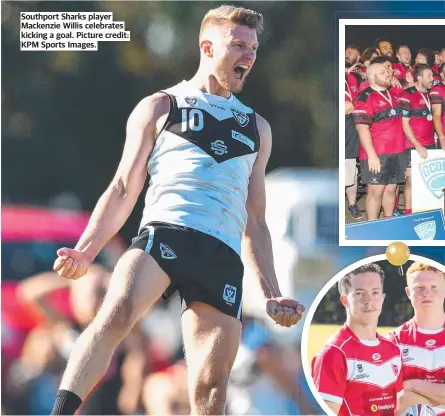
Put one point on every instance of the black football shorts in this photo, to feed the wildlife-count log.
(201, 267)
(392, 170)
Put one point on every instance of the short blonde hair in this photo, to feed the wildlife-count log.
(231, 14)
(417, 267)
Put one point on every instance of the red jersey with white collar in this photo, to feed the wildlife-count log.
(381, 111)
(437, 96)
(365, 379)
(423, 354)
(417, 106)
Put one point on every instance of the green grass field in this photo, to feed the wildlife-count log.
(319, 335)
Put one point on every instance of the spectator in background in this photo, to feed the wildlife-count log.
(417, 123)
(422, 339)
(437, 62)
(437, 95)
(85, 298)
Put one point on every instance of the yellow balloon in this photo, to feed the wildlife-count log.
(397, 253)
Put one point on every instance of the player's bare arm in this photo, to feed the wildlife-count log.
(257, 244)
(409, 399)
(335, 407)
(434, 392)
(117, 202)
(366, 141)
(437, 120)
(349, 107)
(412, 138)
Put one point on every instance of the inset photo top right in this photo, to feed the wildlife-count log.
(392, 134)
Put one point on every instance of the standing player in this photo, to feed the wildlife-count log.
(351, 146)
(422, 339)
(403, 67)
(352, 60)
(417, 122)
(437, 95)
(377, 115)
(426, 56)
(384, 47)
(206, 155)
(358, 372)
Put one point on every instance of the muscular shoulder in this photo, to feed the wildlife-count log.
(150, 109)
(264, 129)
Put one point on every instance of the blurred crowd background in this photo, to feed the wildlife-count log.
(63, 127)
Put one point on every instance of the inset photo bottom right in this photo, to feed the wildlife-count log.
(374, 340)
(393, 72)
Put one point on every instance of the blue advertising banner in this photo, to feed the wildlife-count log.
(428, 225)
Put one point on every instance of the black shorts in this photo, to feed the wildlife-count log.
(408, 154)
(201, 267)
(392, 170)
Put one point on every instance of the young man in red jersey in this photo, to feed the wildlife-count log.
(417, 123)
(437, 96)
(358, 372)
(402, 68)
(422, 339)
(377, 115)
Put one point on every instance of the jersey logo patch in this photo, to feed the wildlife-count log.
(166, 252)
(426, 230)
(433, 173)
(229, 294)
(218, 147)
(240, 117)
(243, 139)
(191, 100)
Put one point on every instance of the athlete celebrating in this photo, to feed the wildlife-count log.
(206, 155)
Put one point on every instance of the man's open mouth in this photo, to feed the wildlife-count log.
(240, 70)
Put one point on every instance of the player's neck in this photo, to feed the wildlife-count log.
(377, 87)
(362, 331)
(420, 87)
(430, 319)
(208, 83)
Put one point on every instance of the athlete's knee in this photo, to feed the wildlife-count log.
(209, 392)
(115, 318)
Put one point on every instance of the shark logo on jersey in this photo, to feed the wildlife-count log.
(191, 100)
(240, 117)
(219, 147)
(166, 252)
(426, 230)
(229, 294)
(243, 139)
(433, 173)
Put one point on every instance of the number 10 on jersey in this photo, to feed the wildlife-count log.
(192, 120)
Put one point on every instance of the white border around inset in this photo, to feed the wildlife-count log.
(316, 302)
(341, 105)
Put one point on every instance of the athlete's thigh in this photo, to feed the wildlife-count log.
(211, 341)
(137, 282)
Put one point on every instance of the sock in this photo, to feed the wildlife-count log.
(66, 403)
(396, 205)
(408, 211)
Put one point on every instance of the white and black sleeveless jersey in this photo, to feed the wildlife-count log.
(201, 164)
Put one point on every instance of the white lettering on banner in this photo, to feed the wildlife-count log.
(428, 180)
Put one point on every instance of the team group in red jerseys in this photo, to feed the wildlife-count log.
(391, 108)
(359, 372)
